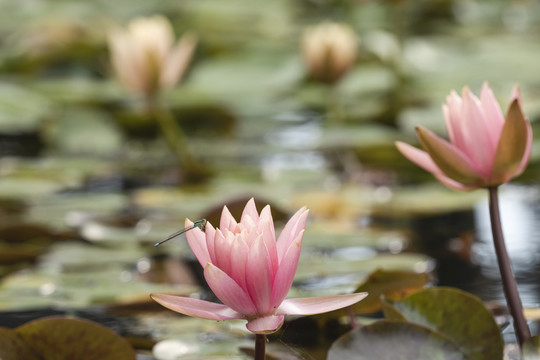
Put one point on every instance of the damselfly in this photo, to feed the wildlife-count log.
(201, 224)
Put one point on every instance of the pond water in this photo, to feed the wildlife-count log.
(88, 184)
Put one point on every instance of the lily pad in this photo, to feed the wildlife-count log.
(390, 340)
(13, 346)
(393, 285)
(458, 315)
(69, 338)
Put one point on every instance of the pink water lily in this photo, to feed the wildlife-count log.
(485, 148)
(251, 272)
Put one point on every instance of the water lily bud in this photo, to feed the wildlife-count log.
(329, 51)
(144, 56)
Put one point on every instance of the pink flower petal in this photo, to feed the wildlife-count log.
(266, 227)
(479, 146)
(222, 248)
(227, 221)
(228, 291)
(516, 94)
(197, 308)
(493, 113)
(452, 117)
(259, 275)
(197, 242)
(318, 305)
(239, 255)
(452, 161)
(210, 233)
(422, 159)
(250, 210)
(266, 324)
(291, 230)
(286, 271)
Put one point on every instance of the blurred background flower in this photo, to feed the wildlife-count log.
(329, 51)
(145, 58)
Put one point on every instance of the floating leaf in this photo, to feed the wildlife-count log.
(390, 340)
(13, 347)
(69, 338)
(393, 285)
(458, 315)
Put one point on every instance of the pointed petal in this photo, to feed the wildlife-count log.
(452, 162)
(492, 109)
(516, 94)
(422, 159)
(197, 242)
(227, 221)
(197, 308)
(453, 119)
(419, 157)
(286, 271)
(476, 129)
(291, 230)
(228, 291)
(266, 227)
(250, 210)
(514, 145)
(318, 305)
(178, 60)
(266, 324)
(259, 275)
(222, 248)
(239, 256)
(528, 149)
(210, 233)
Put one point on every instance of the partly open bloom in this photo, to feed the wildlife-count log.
(329, 50)
(250, 272)
(485, 149)
(144, 56)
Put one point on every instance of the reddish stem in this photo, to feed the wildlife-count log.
(260, 347)
(505, 267)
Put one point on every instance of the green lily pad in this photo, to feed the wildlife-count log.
(531, 348)
(68, 338)
(458, 315)
(17, 115)
(85, 131)
(391, 340)
(390, 284)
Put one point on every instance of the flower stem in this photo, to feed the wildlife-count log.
(505, 267)
(175, 138)
(260, 347)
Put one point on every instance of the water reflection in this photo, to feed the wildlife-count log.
(520, 211)
(461, 242)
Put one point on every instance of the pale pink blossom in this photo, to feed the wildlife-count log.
(485, 148)
(144, 56)
(251, 272)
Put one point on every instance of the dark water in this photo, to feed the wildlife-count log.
(520, 214)
(462, 244)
